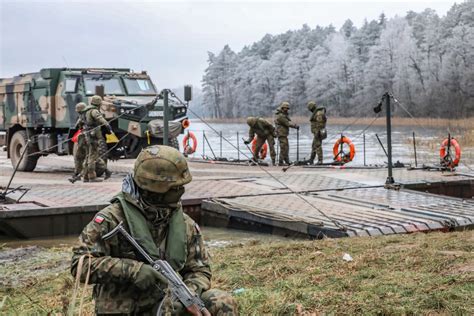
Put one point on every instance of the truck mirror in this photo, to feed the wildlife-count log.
(188, 93)
(99, 90)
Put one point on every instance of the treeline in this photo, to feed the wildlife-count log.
(426, 61)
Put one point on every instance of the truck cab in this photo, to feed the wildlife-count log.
(40, 108)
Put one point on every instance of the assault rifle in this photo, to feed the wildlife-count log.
(179, 290)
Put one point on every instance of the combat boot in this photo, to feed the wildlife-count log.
(75, 177)
(320, 162)
(107, 174)
(92, 177)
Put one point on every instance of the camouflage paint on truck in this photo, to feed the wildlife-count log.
(42, 106)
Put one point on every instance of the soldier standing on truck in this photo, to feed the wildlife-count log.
(318, 128)
(265, 132)
(283, 124)
(92, 127)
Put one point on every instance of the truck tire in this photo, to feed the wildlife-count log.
(16, 147)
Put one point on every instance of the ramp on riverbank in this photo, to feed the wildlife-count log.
(307, 202)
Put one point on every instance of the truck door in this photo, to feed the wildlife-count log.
(37, 105)
(68, 94)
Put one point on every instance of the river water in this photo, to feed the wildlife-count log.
(427, 142)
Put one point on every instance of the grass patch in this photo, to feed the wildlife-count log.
(391, 275)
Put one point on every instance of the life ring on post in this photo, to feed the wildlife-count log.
(339, 154)
(457, 149)
(263, 150)
(187, 148)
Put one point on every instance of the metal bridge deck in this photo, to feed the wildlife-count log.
(250, 197)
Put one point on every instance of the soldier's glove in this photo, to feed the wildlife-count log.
(109, 128)
(246, 142)
(297, 127)
(148, 277)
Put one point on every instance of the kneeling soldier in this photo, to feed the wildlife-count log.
(149, 207)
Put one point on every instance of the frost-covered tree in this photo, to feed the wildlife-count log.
(425, 60)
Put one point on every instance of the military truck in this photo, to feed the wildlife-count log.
(40, 107)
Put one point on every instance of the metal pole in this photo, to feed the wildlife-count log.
(297, 144)
(381, 144)
(220, 144)
(4, 193)
(165, 117)
(390, 179)
(414, 149)
(238, 150)
(364, 148)
(203, 144)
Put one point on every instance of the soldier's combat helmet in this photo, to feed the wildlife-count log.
(285, 105)
(80, 107)
(159, 168)
(311, 106)
(96, 100)
(251, 121)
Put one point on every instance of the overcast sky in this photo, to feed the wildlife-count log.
(169, 39)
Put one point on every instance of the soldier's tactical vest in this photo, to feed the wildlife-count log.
(281, 129)
(176, 243)
(89, 121)
(318, 120)
(263, 127)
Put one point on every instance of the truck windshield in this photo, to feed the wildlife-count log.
(139, 86)
(111, 85)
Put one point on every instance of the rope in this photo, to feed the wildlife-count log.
(336, 223)
(77, 284)
(97, 127)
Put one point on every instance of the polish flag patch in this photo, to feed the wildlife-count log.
(99, 219)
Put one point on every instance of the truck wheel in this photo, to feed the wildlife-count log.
(17, 145)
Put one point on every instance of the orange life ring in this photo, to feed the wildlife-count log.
(457, 148)
(75, 137)
(343, 157)
(263, 150)
(189, 149)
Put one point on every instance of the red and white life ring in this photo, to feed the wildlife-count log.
(457, 149)
(263, 150)
(187, 148)
(341, 156)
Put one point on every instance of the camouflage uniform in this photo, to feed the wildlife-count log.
(92, 120)
(283, 124)
(318, 128)
(115, 267)
(265, 132)
(80, 154)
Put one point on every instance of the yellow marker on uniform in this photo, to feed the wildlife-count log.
(111, 138)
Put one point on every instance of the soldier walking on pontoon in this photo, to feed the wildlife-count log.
(80, 154)
(318, 128)
(283, 124)
(93, 121)
(265, 132)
